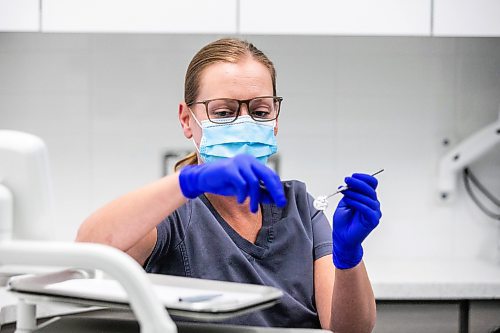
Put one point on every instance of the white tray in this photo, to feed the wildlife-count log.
(229, 299)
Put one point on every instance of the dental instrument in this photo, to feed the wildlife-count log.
(321, 201)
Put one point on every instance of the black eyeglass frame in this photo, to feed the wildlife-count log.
(240, 101)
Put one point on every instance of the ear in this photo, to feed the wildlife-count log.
(276, 128)
(184, 117)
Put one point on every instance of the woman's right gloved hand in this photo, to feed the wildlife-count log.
(240, 176)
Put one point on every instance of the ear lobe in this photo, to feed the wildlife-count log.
(276, 128)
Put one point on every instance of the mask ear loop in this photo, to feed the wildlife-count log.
(192, 137)
(194, 117)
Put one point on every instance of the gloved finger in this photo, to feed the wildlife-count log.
(253, 186)
(238, 183)
(371, 217)
(272, 183)
(373, 204)
(370, 180)
(255, 201)
(360, 186)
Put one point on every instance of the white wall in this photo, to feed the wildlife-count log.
(107, 107)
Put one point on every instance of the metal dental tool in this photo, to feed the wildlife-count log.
(321, 202)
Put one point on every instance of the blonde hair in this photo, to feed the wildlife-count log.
(223, 50)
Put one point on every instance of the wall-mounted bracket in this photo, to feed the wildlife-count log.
(466, 152)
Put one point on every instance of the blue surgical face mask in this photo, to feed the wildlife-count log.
(242, 136)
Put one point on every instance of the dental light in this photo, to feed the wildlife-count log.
(25, 187)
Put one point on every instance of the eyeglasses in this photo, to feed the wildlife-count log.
(227, 110)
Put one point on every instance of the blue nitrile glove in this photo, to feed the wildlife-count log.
(240, 176)
(357, 214)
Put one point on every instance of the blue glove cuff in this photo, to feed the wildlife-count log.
(187, 180)
(345, 259)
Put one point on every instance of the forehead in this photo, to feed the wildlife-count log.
(244, 79)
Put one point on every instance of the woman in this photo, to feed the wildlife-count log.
(224, 215)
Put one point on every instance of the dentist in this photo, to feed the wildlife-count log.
(224, 215)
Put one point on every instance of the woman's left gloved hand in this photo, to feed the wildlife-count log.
(357, 214)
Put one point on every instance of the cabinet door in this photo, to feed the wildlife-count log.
(186, 16)
(466, 18)
(396, 317)
(336, 17)
(484, 316)
(19, 15)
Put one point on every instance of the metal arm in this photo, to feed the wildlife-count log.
(462, 155)
(151, 314)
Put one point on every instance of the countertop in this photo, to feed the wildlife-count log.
(434, 280)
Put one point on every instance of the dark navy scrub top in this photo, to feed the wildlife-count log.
(195, 241)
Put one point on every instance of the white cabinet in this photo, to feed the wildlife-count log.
(19, 15)
(186, 16)
(311, 17)
(336, 17)
(466, 18)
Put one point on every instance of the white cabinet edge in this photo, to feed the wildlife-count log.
(134, 16)
(19, 15)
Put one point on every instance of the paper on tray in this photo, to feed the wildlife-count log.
(103, 289)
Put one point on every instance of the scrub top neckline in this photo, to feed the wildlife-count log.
(265, 235)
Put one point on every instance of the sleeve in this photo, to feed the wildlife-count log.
(162, 244)
(322, 231)
(170, 232)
